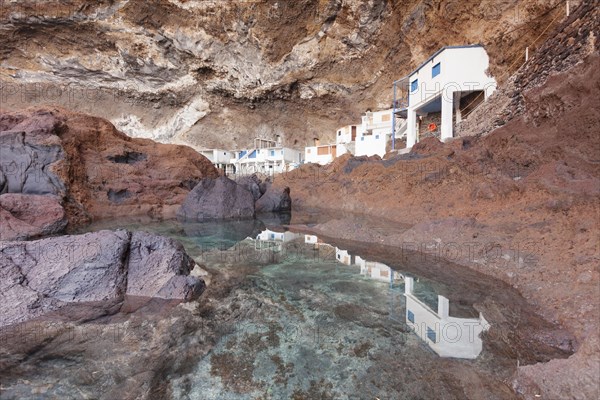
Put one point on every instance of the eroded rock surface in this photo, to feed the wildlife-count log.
(28, 216)
(190, 71)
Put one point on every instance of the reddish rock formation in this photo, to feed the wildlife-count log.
(96, 170)
(29, 216)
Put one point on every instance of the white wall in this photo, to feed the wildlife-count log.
(311, 156)
(344, 134)
(374, 133)
(462, 69)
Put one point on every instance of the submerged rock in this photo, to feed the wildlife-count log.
(29, 216)
(93, 271)
(219, 198)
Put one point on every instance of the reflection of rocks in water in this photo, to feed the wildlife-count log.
(223, 234)
(280, 218)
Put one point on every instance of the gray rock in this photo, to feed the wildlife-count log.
(219, 198)
(30, 216)
(93, 271)
(159, 267)
(42, 276)
(274, 200)
(252, 184)
(28, 155)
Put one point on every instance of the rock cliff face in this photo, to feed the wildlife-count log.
(89, 167)
(219, 73)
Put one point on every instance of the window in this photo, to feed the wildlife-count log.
(272, 236)
(376, 137)
(431, 334)
(414, 85)
(362, 139)
(410, 316)
(272, 153)
(339, 133)
(436, 70)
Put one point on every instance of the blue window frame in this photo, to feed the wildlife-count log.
(410, 316)
(436, 70)
(362, 139)
(414, 85)
(272, 153)
(431, 334)
(253, 154)
(376, 137)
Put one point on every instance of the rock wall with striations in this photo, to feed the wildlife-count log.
(219, 73)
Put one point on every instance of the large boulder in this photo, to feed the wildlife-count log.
(91, 272)
(28, 216)
(275, 199)
(160, 267)
(219, 198)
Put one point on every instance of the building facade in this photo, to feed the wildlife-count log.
(441, 91)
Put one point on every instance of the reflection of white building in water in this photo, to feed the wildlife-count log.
(378, 271)
(447, 336)
(374, 270)
(273, 240)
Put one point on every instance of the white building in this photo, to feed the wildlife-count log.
(345, 139)
(440, 91)
(222, 159)
(374, 134)
(320, 154)
(447, 336)
(267, 157)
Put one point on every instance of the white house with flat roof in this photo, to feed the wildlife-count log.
(438, 94)
(267, 157)
(345, 139)
(222, 159)
(447, 336)
(375, 133)
(320, 154)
